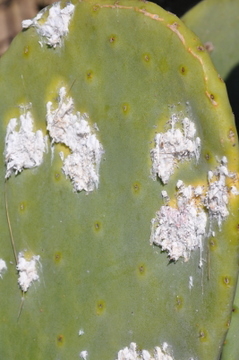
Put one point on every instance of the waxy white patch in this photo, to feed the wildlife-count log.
(55, 27)
(132, 353)
(24, 148)
(84, 354)
(27, 270)
(216, 199)
(81, 332)
(71, 128)
(177, 144)
(190, 284)
(3, 267)
(181, 229)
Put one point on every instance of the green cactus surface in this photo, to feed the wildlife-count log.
(216, 23)
(231, 349)
(119, 188)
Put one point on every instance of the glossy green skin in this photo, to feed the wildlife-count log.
(99, 272)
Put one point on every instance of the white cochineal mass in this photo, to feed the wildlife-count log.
(84, 355)
(55, 27)
(27, 270)
(3, 267)
(66, 126)
(182, 228)
(132, 353)
(177, 144)
(24, 148)
(216, 200)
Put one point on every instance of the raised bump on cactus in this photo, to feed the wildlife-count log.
(99, 272)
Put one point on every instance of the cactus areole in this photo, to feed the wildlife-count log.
(119, 188)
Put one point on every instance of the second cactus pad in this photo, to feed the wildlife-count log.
(119, 186)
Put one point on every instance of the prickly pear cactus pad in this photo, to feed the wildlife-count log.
(119, 188)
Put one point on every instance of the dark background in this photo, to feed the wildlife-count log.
(178, 7)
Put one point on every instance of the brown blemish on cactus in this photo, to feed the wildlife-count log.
(226, 281)
(228, 324)
(141, 269)
(178, 302)
(26, 51)
(125, 108)
(100, 307)
(22, 206)
(96, 8)
(97, 226)
(213, 244)
(231, 136)
(200, 48)
(57, 257)
(202, 335)
(136, 187)
(209, 46)
(183, 70)
(207, 156)
(146, 58)
(89, 75)
(211, 98)
(112, 39)
(57, 176)
(60, 340)
(220, 78)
